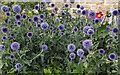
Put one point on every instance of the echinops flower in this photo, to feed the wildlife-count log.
(87, 44)
(4, 8)
(15, 46)
(92, 14)
(12, 56)
(17, 17)
(101, 51)
(44, 25)
(2, 47)
(4, 29)
(80, 52)
(44, 47)
(112, 56)
(18, 66)
(29, 34)
(71, 47)
(72, 55)
(61, 27)
(16, 8)
(35, 19)
(115, 30)
(36, 7)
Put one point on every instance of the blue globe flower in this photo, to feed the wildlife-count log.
(61, 27)
(92, 14)
(44, 25)
(12, 56)
(71, 47)
(2, 47)
(115, 30)
(80, 52)
(72, 55)
(4, 29)
(44, 47)
(115, 13)
(4, 8)
(16, 8)
(87, 44)
(36, 7)
(112, 56)
(15, 46)
(101, 51)
(18, 66)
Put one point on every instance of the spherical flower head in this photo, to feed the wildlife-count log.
(82, 57)
(51, 28)
(29, 20)
(75, 29)
(72, 56)
(115, 12)
(62, 33)
(8, 14)
(55, 9)
(96, 20)
(54, 31)
(78, 63)
(84, 12)
(52, 5)
(19, 22)
(16, 8)
(57, 19)
(118, 20)
(2, 47)
(78, 11)
(15, 46)
(17, 17)
(4, 38)
(82, 7)
(38, 25)
(29, 34)
(52, 15)
(18, 66)
(101, 51)
(36, 7)
(90, 32)
(24, 16)
(80, 52)
(115, 30)
(42, 16)
(92, 14)
(9, 8)
(42, 3)
(78, 6)
(12, 56)
(12, 35)
(41, 20)
(87, 44)
(116, 37)
(85, 29)
(61, 27)
(35, 19)
(80, 42)
(71, 47)
(44, 25)
(44, 47)
(62, 13)
(72, 1)
(66, 5)
(4, 8)
(4, 29)
(112, 56)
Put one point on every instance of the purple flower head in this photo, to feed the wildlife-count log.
(119, 10)
(61, 27)
(41, 20)
(82, 7)
(29, 34)
(62, 33)
(4, 38)
(80, 52)
(52, 15)
(107, 29)
(78, 6)
(4, 8)
(12, 35)
(72, 55)
(2, 47)
(15, 46)
(118, 20)
(18, 66)
(90, 32)
(62, 13)
(48, 1)
(4, 29)
(101, 51)
(8, 14)
(35, 19)
(54, 31)
(42, 16)
(66, 5)
(55, 9)
(51, 28)
(78, 11)
(115, 13)
(52, 5)
(12, 56)
(24, 16)
(96, 20)
(17, 17)
(80, 42)
(84, 12)
(92, 14)
(87, 44)
(6, 21)
(44, 47)
(72, 1)
(9, 8)
(82, 57)
(19, 22)
(111, 36)
(112, 56)
(115, 30)
(38, 25)
(44, 25)
(15, 22)
(57, 19)
(75, 29)
(115, 37)
(78, 63)
(36, 7)
(42, 3)
(71, 47)
(16, 8)
(91, 27)
(29, 20)
(85, 29)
